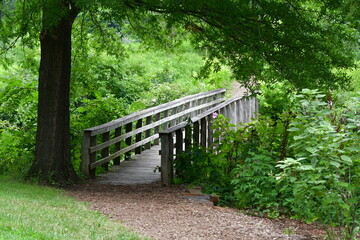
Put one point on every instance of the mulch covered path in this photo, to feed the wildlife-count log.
(163, 213)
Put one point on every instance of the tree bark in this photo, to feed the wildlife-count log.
(52, 163)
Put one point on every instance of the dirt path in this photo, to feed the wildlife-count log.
(162, 213)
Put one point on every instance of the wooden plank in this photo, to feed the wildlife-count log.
(117, 145)
(122, 151)
(148, 132)
(203, 132)
(167, 158)
(196, 133)
(188, 137)
(179, 145)
(85, 154)
(174, 128)
(138, 136)
(210, 133)
(241, 111)
(150, 111)
(165, 120)
(213, 109)
(92, 157)
(128, 140)
(157, 128)
(105, 151)
(174, 112)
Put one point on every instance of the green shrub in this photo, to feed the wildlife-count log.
(323, 176)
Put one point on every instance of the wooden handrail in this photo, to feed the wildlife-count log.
(141, 128)
(237, 110)
(151, 111)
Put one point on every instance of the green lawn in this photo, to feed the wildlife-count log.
(36, 212)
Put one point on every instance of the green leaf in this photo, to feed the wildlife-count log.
(346, 159)
(335, 164)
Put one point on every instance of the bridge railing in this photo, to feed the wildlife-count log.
(199, 132)
(108, 142)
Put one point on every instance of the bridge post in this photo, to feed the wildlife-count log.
(85, 155)
(167, 155)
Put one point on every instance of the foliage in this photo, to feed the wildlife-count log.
(324, 174)
(46, 213)
(17, 121)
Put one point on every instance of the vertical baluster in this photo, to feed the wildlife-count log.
(85, 154)
(128, 141)
(148, 132)
(138, 137)
(166, 124)
(196, 133)
(173, 112)
(117, 145)
(157, 128)
(105, 151)
(203, 131)
(210, 136)
(92, 156)
(187, 137)
(179, 145)
(240, 110)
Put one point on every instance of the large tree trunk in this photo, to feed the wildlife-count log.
(52, 163)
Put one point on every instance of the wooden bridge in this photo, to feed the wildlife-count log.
(176, 126)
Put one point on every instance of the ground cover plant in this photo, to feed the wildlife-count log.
(29, 211)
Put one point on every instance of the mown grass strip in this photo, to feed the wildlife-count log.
(36, 212)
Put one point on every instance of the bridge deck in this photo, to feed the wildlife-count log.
(138, 170)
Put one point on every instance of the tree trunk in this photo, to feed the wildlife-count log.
(52, 163)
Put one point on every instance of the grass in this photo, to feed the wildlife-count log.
(36, 212)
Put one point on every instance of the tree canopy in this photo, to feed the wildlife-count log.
(308, 43)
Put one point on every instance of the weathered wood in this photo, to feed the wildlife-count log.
(166, 158)
(138, 136)
(157, 128)
(196, 133)
(117, 145)
(142, 129)
(92, 157)
(173, 113)
(122, 151)
(210, 136)
(105, 151)
(217, 108)
(85, 155)
(148, 132)
(128, 141)
(179, 145)
(165, 116)
(165, 124)
(151, 111)
(188, 137)
(203, 132)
